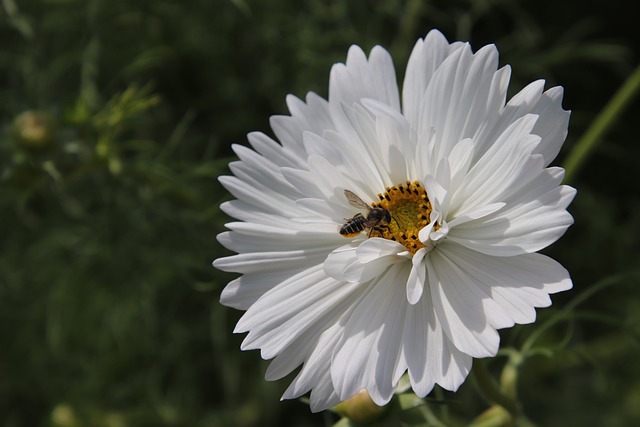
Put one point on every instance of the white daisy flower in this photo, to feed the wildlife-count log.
(458, 197)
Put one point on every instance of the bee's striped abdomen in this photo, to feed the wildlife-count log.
(353, 226)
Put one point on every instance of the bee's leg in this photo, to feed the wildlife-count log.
(375, 227)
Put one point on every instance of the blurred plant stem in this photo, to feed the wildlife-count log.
(492, 391)
(507, 410)
(408, 25)
(17, 19)
(601, 125)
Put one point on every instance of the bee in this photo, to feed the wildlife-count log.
(376, 217)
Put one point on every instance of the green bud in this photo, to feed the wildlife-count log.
(509, 376)
(34, 129)
(496, 416)
(63, 415)
(361, 409)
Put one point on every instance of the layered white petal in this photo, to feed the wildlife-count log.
(427, 55)
(519, 227)
(369, 350)
(313, 116)
(430, 357)
(462, 316)
(315, 374)
(273, 151)
(417, 277)
(242, 292)
(517, 284)
(551, 125)
(362, 77)
(361, 262)
(499, 169)
(456, 102)
(291, 309)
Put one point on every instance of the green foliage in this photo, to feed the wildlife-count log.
(116, 117)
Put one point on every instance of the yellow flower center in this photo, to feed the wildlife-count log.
(410, 209)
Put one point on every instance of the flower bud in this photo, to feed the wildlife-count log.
(63, 415)
(361, 409)
(34, 129)
(496, 416)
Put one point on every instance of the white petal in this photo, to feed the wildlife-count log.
(438, 196)
(316, 145)
(361, 262)
(240, 293)
(289, 131)
(519, 228)
(425, 233)
(300, 351)
(270, 261)
(369, 351)
(403, 135)
(275, 152)
(257, 162)
(417, 278)
(518, 284)
(246, 212)
(449, 365)
(362, 139)
(360, 78)
(459, 161)
(375, 248)
(430, 356)
(393, 132)
(499, 168)
(321, 208)
(293, 308)
(328, 179)
(551, 125)
(331, 182)
(315, 375)
(426, 57)
(443, 174)
(462, 316)
(417, 340)
(252, 237)
(313, 116)
(259, 196)
(477, 213)
(303, 180)
(455, 101)
(424, 150)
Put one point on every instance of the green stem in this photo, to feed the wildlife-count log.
(601, 125)
(568, 309)
(408, 25)
(492, 391)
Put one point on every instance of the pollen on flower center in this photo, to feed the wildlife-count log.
(410, 209)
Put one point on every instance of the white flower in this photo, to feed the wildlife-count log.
(471, 198)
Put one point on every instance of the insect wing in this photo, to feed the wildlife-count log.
(356, 201)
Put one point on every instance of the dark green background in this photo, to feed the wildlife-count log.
(109, 312)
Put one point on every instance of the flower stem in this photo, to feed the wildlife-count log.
(601, 124)
(492, 391)
(409, 22)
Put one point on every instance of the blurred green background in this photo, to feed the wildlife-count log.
(116, 117)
